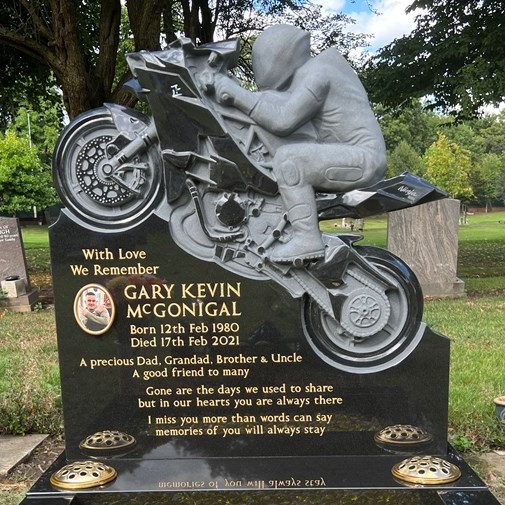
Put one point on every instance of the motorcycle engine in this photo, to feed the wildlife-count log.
(230, 210)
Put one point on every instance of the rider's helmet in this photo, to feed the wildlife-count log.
(277, 53)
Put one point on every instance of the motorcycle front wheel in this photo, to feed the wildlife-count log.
(376, 330)
(108, 199)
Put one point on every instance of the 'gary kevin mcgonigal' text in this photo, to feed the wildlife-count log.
(204, 295)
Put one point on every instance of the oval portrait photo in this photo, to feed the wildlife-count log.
(94, 309)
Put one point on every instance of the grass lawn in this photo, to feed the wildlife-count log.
(29, 374)
(475, 325)
(35, 237)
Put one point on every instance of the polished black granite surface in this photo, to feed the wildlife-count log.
(341, 480)
(105, 388)
(258, 474)
(414, 497)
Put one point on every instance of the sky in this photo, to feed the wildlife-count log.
(391, 23)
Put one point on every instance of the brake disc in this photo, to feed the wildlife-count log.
(96, 176)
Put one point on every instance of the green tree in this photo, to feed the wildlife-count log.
(41, 124)
(24, 180)
(404, 158)
(466, 136)
(449, 167)
(491, 130)
(455, 54)
(410, 123)
(488, 179)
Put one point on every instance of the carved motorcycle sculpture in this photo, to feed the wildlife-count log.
(205, 168)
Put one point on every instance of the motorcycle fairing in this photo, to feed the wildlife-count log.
(405, 190)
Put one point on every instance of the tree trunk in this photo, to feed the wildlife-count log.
(206, 25)
(199, 22)
(110, 22)
(76, 94)
(74, 72)
(145, 23)
(464, 214)
(169, 21)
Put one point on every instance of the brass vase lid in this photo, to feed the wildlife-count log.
(426, 470)
(403, 434)
(107, 440)
(82, 475)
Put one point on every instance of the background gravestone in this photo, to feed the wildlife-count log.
(426, 238)
(13, 263)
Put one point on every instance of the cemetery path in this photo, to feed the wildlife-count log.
(14, 486)
(491, 468)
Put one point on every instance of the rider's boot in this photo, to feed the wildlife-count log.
(305, 243)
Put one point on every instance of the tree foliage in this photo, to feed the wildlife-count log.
(455, 54)
(22, 80)
(484, 140)
(410, 130)
(449, 167)
(41, 123)
(411, 124)
(488, 178)
(404, 158)
(24, 180)
(491, 130)
(79, 42)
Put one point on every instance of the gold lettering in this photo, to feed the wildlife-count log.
(134, 312)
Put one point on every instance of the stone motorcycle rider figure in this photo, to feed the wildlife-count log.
(294, 89)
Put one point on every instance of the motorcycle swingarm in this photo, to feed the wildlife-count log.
(331, 272)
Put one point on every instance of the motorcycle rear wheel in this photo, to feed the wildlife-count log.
(85, 187)
(396, 337)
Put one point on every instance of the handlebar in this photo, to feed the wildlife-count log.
(216, 64)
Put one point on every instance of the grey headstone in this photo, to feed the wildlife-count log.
(12, 253)
(13, 263)
(426, 237)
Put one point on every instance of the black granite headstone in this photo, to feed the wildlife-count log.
(209, 364)
(206, 343)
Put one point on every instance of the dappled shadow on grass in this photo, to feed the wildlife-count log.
(484, 258)
(38, 259)
(39, 269)
(30, 398)
(475, 327)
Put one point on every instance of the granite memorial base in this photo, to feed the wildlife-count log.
(319, 480)
(194, 383)
(22, 303)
